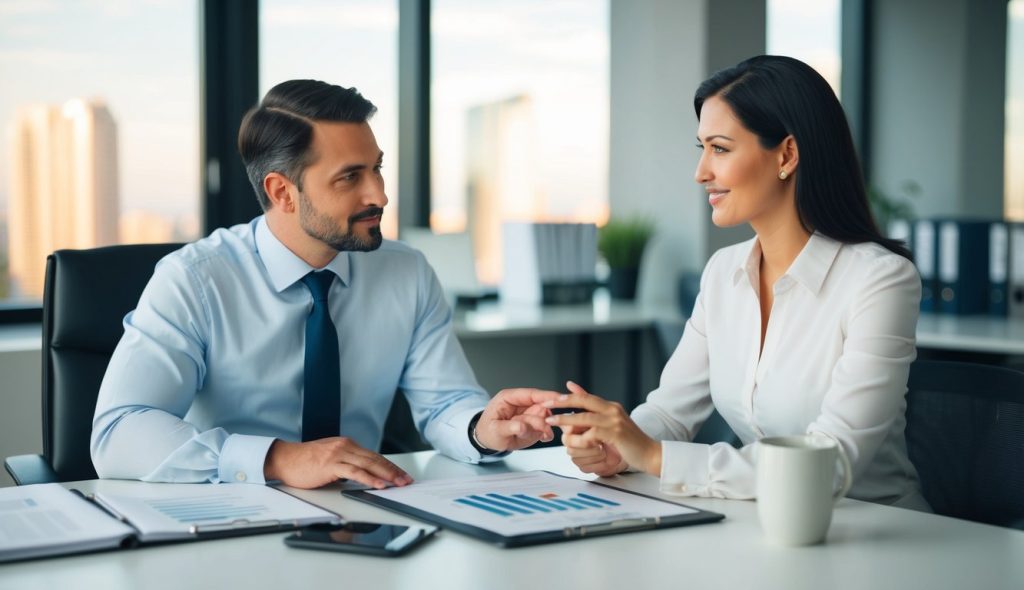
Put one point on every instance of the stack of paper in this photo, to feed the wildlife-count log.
(48, 519)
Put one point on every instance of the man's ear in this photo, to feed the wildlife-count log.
(280, 191)
(789, 155)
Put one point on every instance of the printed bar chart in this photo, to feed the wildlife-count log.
(201, 509)
(522, 504)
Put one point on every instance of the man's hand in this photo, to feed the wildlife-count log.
(317, 463)
(514, 419)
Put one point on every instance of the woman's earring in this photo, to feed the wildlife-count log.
(782, 175)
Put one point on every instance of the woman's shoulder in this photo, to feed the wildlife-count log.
(868, 255)
(869, 263)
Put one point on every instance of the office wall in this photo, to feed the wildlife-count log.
(938, 79)
(661, 50)
(20, 405)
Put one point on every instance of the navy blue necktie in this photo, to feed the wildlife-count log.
(321, 397)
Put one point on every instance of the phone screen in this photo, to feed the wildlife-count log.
(360, 537)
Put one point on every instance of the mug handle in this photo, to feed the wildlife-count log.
(847, 474)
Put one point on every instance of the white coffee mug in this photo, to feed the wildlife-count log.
(795, 479)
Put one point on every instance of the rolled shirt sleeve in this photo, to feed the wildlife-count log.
(139, 430)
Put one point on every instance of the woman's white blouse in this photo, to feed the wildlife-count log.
(835, 361)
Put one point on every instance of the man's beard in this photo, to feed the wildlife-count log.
(323, 228)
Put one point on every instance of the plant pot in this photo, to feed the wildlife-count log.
(622, 282)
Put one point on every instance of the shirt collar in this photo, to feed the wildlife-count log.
(750, 267)
(809, 269)
(283, 266)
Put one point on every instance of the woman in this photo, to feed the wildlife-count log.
(808, 327)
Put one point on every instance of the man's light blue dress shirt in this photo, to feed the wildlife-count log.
(210, 368)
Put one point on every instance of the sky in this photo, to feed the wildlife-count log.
(807, 30)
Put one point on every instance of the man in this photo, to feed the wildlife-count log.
(253, 349)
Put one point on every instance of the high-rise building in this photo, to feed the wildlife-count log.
(501, 147)
(145, 227)
(64, 189)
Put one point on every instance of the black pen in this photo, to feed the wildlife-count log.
(557, 411)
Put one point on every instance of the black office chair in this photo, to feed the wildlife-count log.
(965, 436)
(85, 298)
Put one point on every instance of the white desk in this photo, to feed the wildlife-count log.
(971, 333)
(602, 315)
(869, 547)
(934, 331)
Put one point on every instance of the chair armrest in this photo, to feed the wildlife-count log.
(29, 469)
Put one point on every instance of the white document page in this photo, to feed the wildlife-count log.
(513, 504)
(47, 519)
(172, 511)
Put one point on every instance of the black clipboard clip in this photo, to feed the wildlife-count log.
(238, 524)
(621, 525)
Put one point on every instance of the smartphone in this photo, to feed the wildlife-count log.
(368, 538)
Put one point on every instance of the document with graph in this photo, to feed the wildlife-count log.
(513, 509)
(171, 511)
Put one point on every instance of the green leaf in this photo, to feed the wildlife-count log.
(622, 242)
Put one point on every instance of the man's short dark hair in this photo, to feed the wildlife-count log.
(277, 134)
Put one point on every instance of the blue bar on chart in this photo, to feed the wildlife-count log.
(523, 504)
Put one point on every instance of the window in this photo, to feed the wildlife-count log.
(349, 43)
(100, 108)
(808, 30)
(1013, 171)
(519, 117)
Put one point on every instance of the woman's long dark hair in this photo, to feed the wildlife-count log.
(775, 96)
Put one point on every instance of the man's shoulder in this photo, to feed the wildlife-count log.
(223, 245)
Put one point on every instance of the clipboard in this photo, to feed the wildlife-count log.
(172, 513)
(522, 509)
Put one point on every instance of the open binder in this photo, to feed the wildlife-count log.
(47, 519)
(530, 508)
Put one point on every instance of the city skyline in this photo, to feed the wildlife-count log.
(63, 186)
(64, 192)
(501, 145)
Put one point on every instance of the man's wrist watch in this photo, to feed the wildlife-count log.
(479, 446)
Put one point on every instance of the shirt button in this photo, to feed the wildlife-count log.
(682, 488)
(240, 476)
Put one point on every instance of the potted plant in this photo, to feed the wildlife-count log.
(887, 208)
(622, 243)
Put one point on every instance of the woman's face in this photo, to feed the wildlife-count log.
(740, 176)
